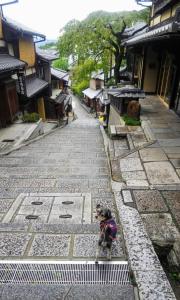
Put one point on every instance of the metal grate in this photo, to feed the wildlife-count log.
(115, 273)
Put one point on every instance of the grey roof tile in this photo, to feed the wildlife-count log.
(60, 74)
(34, 85)
(9, 63)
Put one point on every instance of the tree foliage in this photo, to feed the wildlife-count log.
(98, 39)
(61, 63)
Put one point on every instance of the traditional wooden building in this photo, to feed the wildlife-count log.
(60, 100)
(154, 53)
(9, 104)
(9, 66)
(93, 94)
(20, 42)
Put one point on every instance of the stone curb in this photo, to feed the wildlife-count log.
(149, 275)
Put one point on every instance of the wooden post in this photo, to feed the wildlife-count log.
(41, 109)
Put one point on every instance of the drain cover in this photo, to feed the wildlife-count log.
(65, 216)
(67, 202)
(8, 141)
(31, 217)
(115, 273)
(37, 203)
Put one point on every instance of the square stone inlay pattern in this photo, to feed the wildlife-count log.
(52, 208)
(149, 201)
(161, 173)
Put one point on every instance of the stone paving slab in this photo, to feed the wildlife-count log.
(175, 162)
(161, 173)
(152, 154)
(149, 201)
(5, 205)
(160, 227)
(13, 244)
(101, 292)
(133, 175)
(37, 292)
(66, 229)
(50, 245)
(172, 198)
(57, 292)
(58, 208)
(154, 285)
(137, 183)
(130, 164)
(86, 245)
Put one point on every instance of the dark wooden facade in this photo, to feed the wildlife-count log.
(154, 54)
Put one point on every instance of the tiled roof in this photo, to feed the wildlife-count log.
(90, 93)
(99, 76)
(33, 86)
(154, 34)
(21, 27)
(130, 31)
(127, 92)
(60, 74)
(10, 63)
(47, 54)
(62, 98)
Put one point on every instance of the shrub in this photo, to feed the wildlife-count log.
(131, 121)
(30, 118)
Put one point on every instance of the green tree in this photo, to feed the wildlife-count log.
(61, 63)
(98, 38)
(81, 74)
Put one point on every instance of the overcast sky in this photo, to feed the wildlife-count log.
(48, 16)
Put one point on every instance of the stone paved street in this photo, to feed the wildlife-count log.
(49, 190)
(48, 193)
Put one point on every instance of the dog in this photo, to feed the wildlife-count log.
(108, 231)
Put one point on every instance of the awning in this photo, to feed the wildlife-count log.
(169, 28)
(10, 63)
(90, 93)
(34, 85)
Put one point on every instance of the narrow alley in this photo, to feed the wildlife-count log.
(68, 166)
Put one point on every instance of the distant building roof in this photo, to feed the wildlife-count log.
(47, 54)
(62, 98)
(21, 28)
(60, 74)
(10, 63)
(99, 76)
(90, 93)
